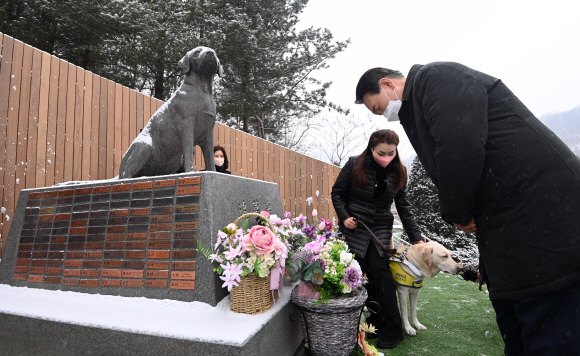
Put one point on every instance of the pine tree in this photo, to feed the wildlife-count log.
(424, 198)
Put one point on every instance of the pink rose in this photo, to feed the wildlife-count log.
(259, 239)
(265, 213)
(321, 226)
(314, 246)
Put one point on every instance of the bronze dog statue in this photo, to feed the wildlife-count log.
(185, 120)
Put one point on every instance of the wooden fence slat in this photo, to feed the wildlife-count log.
(51, 124)
(118, 128)
(236, 142)
(59, 154)
(270, 162)
(125, 129)
(152, 106)
(308, 192)
(245, 159)
(43, 121)
(260, 160)
(234, 157)
(5, 73)
(12, 136)
(282, 175)
(78, 127)
(132, 116)
(146, 109)
(24, 112)
(292, 165)
(95, 124)
(70, 123)
(303, 184)
(140, 111)
(103, 122)
(110, 158)
(87, 126)
(275, 167)
(287, 180)
(31, 151)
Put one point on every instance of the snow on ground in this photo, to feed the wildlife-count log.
(168, 318)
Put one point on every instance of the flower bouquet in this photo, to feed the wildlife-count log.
(251, 264)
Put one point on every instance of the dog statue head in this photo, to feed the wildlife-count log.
(201, 60)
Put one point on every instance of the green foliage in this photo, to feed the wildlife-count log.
(310, 272)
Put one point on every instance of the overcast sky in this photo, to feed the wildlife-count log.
(532, 46)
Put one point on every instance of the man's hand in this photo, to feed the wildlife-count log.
(350, 223)
(469, 228)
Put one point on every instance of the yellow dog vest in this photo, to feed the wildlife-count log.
(403, 278)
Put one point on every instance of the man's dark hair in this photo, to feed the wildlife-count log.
(369, 82)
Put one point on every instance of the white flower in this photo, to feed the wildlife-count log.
(345, 287)
(345, 257)
(356, 266)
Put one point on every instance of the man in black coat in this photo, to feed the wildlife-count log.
(504, 175)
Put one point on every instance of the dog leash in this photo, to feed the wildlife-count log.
(390, 251)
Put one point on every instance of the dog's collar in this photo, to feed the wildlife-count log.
(402, 258)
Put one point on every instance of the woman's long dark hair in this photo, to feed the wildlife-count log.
(360, 177)
(220, 148)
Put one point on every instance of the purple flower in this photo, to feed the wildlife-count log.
(352, 277)
(309, 230)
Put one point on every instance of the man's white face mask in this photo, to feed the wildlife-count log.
(392, 112)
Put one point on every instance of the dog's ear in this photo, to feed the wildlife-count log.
(427, 255)
(220, 71)
(184, 63)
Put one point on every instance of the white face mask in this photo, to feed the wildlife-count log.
(218, 161)
(392, 112)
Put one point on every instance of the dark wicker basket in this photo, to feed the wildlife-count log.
(331, 328)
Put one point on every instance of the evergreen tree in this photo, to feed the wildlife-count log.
(424, 198)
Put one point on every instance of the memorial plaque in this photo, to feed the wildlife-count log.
(57, 247)
(160, 227)
(39, 254)
(72, 272)
(77, 230)
(121, 187)
(165, 183)
(115, 237)
(146, 185)
(162, 211)
(54, 271)
(132, 274)
(182, 285)
(80, 238)
(46, 217)
(76, 246)
(134, 212)
(58, 239)
(164, 193)
(134, 264)
(66, 193)
(67, 201)
(93, 254)
(157, 274)
(139, 203)
(159, 244)
(188, 208)
(24, 254)
(183, 275)
(189, 181)
(55, 254)
(117, 221)
(41, 247)
(110, 282)
(62, 217)
(114, 245)
(157, 265)
(52, 280)
(22, 262)
(137, 236)
(139, 219)
(74, 254)
(184, 254)
(132, 283)
(162, 202)
(48, 202)
(105, 189)
(186, 217)
(70, 281)
(19, 277)
(112, 273)
(91, 273)
(160, 235)
(49, 194)
(83, 191)
(94, 245)
(123, 196)
(136, 244)
(185, 226)
(73, 263)
(185, 243)
(123, 212)
(82, 199)
(98, 222)
(137, 228)
(37, 270)
(112, 263)
(36, 279)
(188, 190)
(91, 264)
(161, 218)
(20, 269)
(145, 194)
(89, 282)
(54, 263)
(187, 200)
(34, 195)
(134, 254)
(38, 262)
(114, 254)
(118, 228)
(158, 254)
(155, 283)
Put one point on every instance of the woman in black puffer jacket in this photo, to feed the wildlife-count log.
(366, 188)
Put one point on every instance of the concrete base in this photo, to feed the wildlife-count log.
(26, 335)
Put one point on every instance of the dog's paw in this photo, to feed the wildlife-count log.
(420, 326)
(410, 331)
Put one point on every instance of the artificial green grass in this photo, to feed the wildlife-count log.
(459, 318)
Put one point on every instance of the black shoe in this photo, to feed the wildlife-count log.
(372, 336)
(389, 344)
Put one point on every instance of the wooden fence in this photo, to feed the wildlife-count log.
(61, 123)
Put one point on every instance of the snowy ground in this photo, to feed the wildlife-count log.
(168, 318)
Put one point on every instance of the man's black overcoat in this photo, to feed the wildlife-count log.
(491, 159)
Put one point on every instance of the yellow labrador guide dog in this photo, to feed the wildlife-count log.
(411, 265)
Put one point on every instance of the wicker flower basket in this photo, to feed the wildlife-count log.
(253, 295)
(331, 328)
